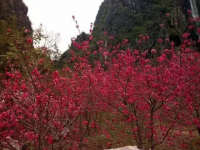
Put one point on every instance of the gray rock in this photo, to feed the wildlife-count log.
(125, 148)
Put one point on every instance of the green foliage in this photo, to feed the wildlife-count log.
(13, 17)
(129, 19)
(15, 49)
(8, 50)
(194, 144)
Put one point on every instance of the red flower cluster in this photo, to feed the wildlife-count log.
(154, 95)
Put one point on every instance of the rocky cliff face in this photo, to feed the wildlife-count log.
(13, 15)
(14, 8)
(127, 19)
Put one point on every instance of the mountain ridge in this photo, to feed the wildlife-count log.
(127, 19)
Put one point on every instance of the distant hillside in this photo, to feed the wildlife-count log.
(127, 19)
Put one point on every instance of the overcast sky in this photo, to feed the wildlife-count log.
(56, 16)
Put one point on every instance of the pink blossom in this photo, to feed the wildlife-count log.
(27, 31)
(85, 122)
(186, 35)
(140, 36)
(147, 37)
(95, 52)
(167, 14)
(139, 42)
(153, 51)
(105, 33)
(160, 40)
(44, 48)
(30, 40)
(198, 30)
(85, 140)
(161, 25)
(9, 30)
(91, 37)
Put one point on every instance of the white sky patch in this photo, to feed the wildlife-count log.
(56, 17)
